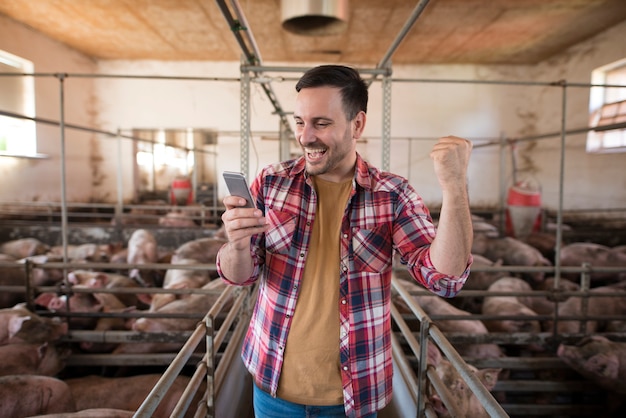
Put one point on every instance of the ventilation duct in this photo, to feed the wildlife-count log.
(315, 17)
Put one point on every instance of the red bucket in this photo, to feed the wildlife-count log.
(181, 191)
(523, 213)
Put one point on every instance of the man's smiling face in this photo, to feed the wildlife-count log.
(327, 139)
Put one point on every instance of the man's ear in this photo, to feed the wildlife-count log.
(358, 125)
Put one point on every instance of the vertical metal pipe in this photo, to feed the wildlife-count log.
(61, 78)
(559, 214)
(214, 211)
(210, 366)
(192, 151)
(245, 123)
(502, 208)
(120, 181)
(386, 145)
(154, 142)
(284, 139)
(408, 175)
(423, 365)
(30, 291)
(64, 226)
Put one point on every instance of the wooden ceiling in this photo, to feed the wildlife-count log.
(445, 32)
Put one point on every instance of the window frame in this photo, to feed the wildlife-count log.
(607, 106)
(18, 136)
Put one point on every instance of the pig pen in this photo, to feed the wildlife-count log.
(200, 348)
(531, 379)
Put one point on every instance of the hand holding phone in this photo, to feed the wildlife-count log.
(238, 186)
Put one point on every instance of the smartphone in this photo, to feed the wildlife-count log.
(238, 186)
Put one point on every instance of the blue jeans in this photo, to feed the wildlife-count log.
(266, 406)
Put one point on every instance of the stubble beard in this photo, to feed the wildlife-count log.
(331, 159)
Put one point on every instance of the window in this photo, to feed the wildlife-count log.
(163, 156)
(607, 106)
(17, 135)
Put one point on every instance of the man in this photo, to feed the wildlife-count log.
(321, 242)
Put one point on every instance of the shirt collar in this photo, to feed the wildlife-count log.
(361, 176)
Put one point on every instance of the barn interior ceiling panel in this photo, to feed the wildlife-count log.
(447, 32)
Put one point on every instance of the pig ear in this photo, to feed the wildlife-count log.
(100, 280)
(15, 324)
(44, 299)
(71, 277)
(145, 298)
(489, 377)
(41, 350)
(604, 364)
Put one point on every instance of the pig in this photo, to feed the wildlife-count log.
(478, 280)
(481, 226)
(597, 255)
(119, 257)
(481, 280)
(5, 258)
(599, 360)
(513, 252)
(36, 359)
(28, 395)
(102, 280)
(20, 325)
(177, 219)
(220, 233)
(142, 249)
(203, 250)
(465, 400)
(596, 306)
(98, 253)
(545, 242)
(194, 304)
(103, 324)
(129, 392)
(544, 305)
(14, 275)
(435, 305)
(510, 306)
(24, 247)
(179, 279)
(143, 215)
(44, 276)
(80, 302)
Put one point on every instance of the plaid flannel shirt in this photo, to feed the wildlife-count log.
(384, 214)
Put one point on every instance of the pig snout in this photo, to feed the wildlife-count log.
(143, 325)
(57, 303)
(71, 277)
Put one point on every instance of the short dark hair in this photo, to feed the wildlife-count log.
(353, 89)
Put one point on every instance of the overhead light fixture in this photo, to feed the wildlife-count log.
(315, 17)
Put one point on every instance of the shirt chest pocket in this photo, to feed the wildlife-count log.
(372, 249)
(279, 236)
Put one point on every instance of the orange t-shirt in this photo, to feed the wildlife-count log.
(310, 374)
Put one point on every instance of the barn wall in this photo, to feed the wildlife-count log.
(420, 111)
(592, 180)
(40, 179)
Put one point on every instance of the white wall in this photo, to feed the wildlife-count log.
(421, 111)
(40, 179)
(592, 180)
